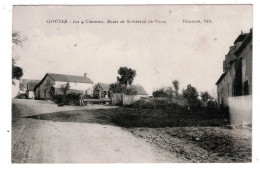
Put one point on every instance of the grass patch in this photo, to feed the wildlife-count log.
(130, 117)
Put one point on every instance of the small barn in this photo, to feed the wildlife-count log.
(26, 87)
(101, 90)
(140, 91)
(51, 83)
(30, 87)
(124, 99)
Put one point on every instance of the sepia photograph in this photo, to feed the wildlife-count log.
(132, 83)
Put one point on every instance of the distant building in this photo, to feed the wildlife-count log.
(51, 83)
(236, 79)
(26, 87)
(101, 90)
(140, 91)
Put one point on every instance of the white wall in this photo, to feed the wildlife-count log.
(77, 86)
(240, 108)
(15, 88)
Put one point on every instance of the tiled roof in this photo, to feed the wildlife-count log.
(70, 78)
(65, 78)
(104, 86)
(140, 90)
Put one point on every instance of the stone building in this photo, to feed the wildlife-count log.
(236, 79)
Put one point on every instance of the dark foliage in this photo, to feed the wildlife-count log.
(17, 72)
(121, 88)
(164, 92)
(190, 94)
(126, 75)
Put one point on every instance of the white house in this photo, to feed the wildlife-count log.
(51, 83)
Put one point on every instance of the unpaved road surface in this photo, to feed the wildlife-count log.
(42, 141)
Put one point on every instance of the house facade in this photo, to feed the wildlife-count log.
(236, 79)
(51, 83)
(101, 90)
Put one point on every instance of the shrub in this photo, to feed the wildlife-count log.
(68, 99)
(156, 103)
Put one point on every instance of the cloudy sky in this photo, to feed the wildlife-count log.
(159, 52)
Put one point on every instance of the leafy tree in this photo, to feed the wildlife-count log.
(126, 75)
(17, 39)
(164, 92)
(205, 96)
(175, 84)
(17, 72)
(116, 88)
(119, 88)
(130, 91)
(190, 94)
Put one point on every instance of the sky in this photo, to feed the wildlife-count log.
(192, 53)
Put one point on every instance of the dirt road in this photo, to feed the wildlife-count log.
(41, 141)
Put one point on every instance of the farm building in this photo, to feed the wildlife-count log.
(101, 90)
(119, 98)
(234, 86)
(140, 91)
(51, 83)
(236, 79)
(26, 87)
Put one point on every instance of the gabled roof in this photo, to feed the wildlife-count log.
(104, 86)
(70, 78)
(66, 78)
(30, 86)
(240, 38)
(24, 82)
(139, 89)
(221, 77)
(243, 44)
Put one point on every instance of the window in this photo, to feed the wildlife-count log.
(246, 88)
(48, 84)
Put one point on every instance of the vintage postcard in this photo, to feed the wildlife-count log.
(132, 83)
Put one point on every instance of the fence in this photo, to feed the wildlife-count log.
(240, 108)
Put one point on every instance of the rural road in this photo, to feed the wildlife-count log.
(44, 141)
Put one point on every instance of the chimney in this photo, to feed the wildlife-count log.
(85, 75)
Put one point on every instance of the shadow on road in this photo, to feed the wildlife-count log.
(129, 118)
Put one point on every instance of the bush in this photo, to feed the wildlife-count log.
(68, 99)
(157, 103)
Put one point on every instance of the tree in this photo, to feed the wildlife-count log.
(116, 88)
(175, 84)
(190, 94)
(126, 76)
(164, 92)
(205, 96)
(130, 91)
(119, 88)
(64, 88)
(159, 93)
(17, 39)
(17, 72)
